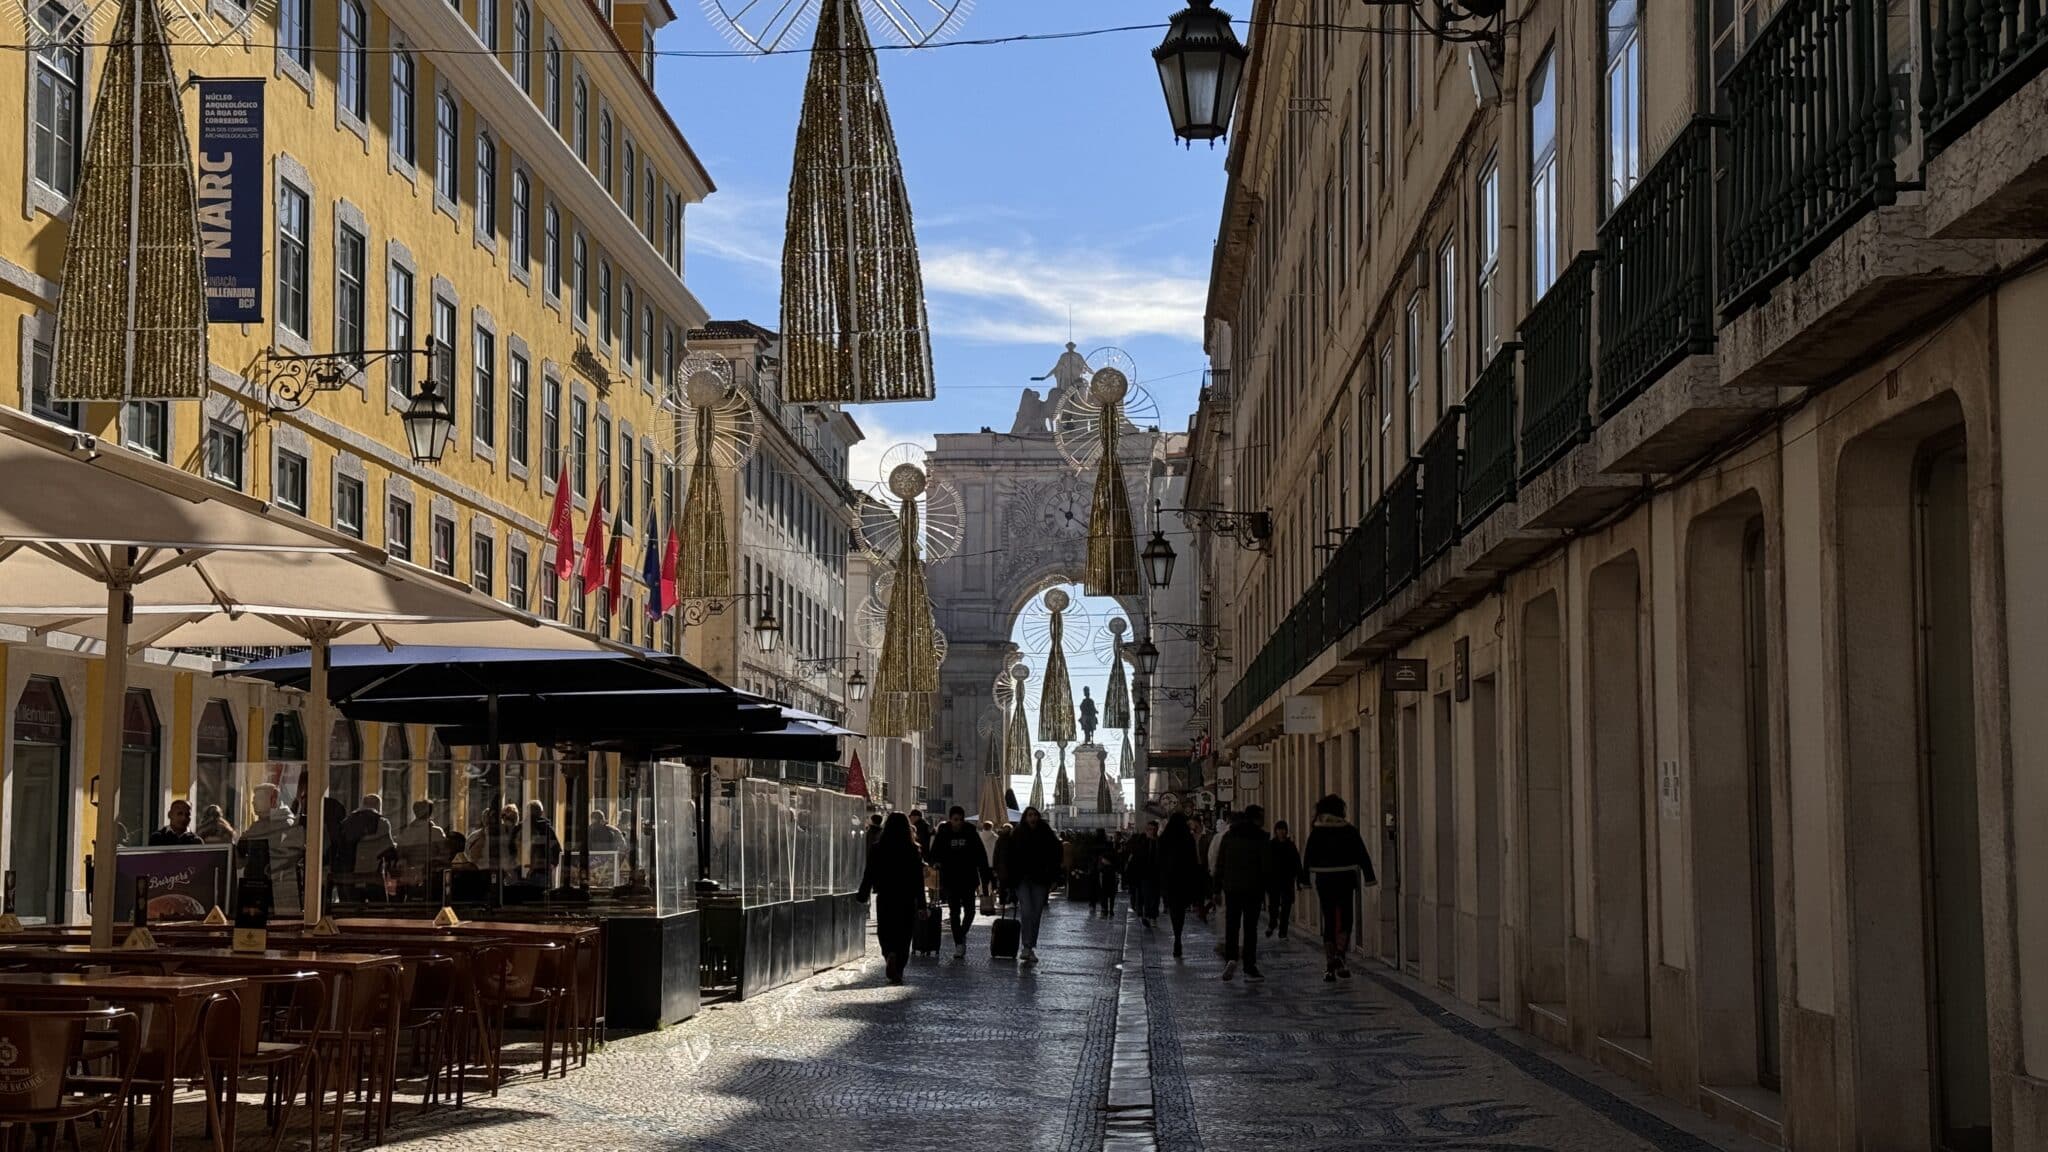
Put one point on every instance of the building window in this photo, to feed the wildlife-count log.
(647, 486)
(515, 577)
(1385, 393)
(484, 399)
(1489, 258)
(582, 116)
(288, 487)
(224, 454)
(604, 302)
(292, 249)
(486, 184)
(352, 61)
(579, 275)
(647, 343)
(516, 403)
(1624, 100)
(482, 561)
(447, 132)
(522, 45)
(579, 444)
(604, 459)
(441, 547)
(625, 477)
(626, 340)
(1448, 389)
(550, 592)
(604, 149)
(59, 75)
(350, 250)
(551, 251)
(404, 115)
(398, 326)
(295, 32)
(672, 231)
(552, 82)
(348, 506)
(444, 337)
(629, 186)
(146, 427)
(550, 426)
(40, 402)
(578, 595)
(1543, 222)
(522, 218)
(487, 23)
(398, 528)
(1411, 425)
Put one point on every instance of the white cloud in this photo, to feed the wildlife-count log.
(996, 295)
(740, 228)
(864, 462)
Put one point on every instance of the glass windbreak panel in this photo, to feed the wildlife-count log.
(271, 834)
(675, 841)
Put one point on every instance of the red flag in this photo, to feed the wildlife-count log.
(856, 780)
(593, 539)
(562, 527)
(615, 563)
(671, 558)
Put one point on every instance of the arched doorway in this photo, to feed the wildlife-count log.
(394, 775)
(40, 790)
(213, 771)
(1100, 785)
(141, 798)
(1547, 860)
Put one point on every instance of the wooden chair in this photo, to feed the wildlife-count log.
(433, 1001)
(281, 1021)
(522, 975)
(39, 1050)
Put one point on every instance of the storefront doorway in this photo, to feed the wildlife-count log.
(141, 801)
(40, 795)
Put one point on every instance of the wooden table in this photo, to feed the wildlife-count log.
(164, 992)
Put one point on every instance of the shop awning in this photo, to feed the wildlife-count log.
(362, 673)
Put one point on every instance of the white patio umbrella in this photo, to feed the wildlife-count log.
(102, 539)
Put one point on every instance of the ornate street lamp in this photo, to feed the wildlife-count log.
(429, 418)
(767, 630)
(1200, 64)
(1142, 710)
(857, 685)
(1158, 558)
(1145, 655)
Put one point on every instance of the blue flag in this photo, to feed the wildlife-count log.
(650, 574)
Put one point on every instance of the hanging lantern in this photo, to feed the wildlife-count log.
(1200, 64)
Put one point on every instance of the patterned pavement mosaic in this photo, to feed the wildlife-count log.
(1365, 1065)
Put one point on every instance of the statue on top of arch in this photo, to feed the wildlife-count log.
(1035, 414)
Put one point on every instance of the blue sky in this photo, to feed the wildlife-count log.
(1044, 176)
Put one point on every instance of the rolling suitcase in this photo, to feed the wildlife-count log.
(1004, 936)
(925, 940)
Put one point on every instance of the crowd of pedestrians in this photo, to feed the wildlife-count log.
(916, 869)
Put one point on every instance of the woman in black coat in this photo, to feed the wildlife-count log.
(895, 875)
(1182, 879)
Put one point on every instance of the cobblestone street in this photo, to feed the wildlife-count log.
(972, 1055)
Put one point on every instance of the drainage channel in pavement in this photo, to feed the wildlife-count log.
(1132, 1125)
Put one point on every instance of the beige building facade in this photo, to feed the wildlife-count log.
(1644, 421)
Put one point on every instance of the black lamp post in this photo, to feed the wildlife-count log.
(1200, 64)
(1146, 655)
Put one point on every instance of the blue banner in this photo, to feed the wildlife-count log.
(231, 196)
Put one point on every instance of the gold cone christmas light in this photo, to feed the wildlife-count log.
(714, 433)
(907, 670)
(1037, 779)
(1063, 788)
(131, 323)
(853, 316)
(1112, 553)
(1055, 694)
(1116, 699)
(1017, 739)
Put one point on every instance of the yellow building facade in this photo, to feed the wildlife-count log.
(498, 177)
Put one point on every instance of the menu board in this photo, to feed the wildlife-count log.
(183, 882)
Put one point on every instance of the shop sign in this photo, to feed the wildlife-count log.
(1408, 675)
(39, 716)
(1302, 715)
(1255, 754)
(232, 187)
(1248, 778)
(1461, 669)
(180, 883)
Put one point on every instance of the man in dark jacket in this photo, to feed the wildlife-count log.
(1036, 864)
(922, 830)
(1141, 873)
(1244, 866)
(957, 853)
(177, 829)
(1336, 861)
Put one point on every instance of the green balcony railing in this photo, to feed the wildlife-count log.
(1975, 55)
(1489, 440)
(1344, 602)
(1372, 557)
(1557, 367)
(1657, 269)
(1809, 139)
(1442, 466)
(1404, 527)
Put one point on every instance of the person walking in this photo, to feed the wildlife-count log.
(1244, 864)
(1286, 872)
(1035, 866)
(1141, 873)
(895, 877)
(921, 830)
(1181, 879)
(1106, 869)
(1336, 862)
(963, 866)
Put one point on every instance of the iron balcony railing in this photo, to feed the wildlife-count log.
(1810, 123)
(1657, 269)
(1974, 55)
(1557, 367)
(1442, 462)
(1344, 602)
(1404, 527)
(1489, 466)
(1372, 557)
